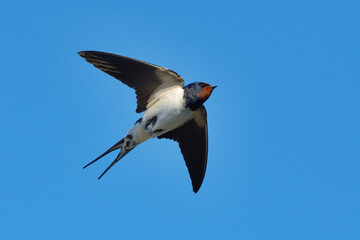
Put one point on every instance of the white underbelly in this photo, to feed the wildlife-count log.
(170, 113)
(168, 119)
(169, 109)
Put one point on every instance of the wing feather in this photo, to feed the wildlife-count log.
(193, 141)
(144, 77)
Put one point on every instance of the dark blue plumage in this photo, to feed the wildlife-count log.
(196, 94)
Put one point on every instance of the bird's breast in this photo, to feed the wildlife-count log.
(170, 110)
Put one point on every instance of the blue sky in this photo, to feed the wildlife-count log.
(284, 130)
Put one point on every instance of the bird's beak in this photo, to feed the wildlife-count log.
(213, 87)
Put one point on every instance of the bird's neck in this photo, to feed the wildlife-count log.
(192, 100)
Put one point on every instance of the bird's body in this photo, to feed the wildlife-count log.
(171, 110)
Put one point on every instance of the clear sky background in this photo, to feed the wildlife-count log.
(284, 132)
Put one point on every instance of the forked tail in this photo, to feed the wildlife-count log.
(123, 152)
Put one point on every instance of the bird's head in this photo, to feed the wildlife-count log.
(197, 93)
(204, 90)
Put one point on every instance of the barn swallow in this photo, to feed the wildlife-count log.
(172, 110)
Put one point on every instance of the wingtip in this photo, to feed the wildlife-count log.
(82, 53)
(86, 54)
(196, 189)
(89, 53)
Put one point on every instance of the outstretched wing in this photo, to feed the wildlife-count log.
(145, 78)
(193, 141)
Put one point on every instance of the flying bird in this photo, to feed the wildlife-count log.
(172, 110)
